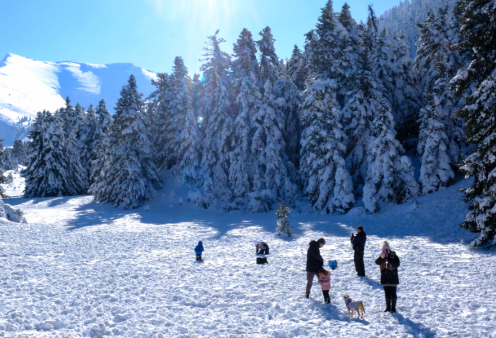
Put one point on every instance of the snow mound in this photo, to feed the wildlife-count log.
(11, 214)
(356, 211)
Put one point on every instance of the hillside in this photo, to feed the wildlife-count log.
(28, 86)
(405, 17)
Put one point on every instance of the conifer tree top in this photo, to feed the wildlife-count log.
(269, 62)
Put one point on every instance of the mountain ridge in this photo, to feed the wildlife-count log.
(28, 86)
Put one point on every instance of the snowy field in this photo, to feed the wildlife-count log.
(82, 269)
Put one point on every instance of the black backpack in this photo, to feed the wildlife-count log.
(262, 260)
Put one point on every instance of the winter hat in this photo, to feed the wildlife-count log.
(385, 245)
(321, 241)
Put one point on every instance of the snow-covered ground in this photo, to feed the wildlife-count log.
(14, 188)
(83, 269)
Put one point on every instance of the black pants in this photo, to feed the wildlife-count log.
(198, 257)
(359, 266)
(327, 299)
(390, 292)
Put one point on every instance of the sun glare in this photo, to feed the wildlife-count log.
(192, 21)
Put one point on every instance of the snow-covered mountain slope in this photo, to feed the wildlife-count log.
(83, 269)
(404, 18)
(28, 86)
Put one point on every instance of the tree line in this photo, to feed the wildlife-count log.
(340, 119)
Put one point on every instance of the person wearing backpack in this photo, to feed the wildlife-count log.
(199, 250)
(315, 262)
(389, 263)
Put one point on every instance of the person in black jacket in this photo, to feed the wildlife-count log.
(389, 263)
(358, 242)
(315, 262)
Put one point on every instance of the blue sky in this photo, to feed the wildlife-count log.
(150, 33)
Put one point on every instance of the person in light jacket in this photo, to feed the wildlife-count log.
(325, 284)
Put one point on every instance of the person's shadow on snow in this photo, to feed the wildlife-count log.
(373, 283)
(416, 329)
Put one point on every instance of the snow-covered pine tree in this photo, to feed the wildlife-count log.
(320, 42)
(161, 131)
(19, 152)
(132, 176)
(436, 44)
(332, 52)
(393, 67)
(282, 65)
(151, 123)
(33, 173)
(68, 115)
(441, 137)
(3, 179)
(185, 144)
(389, 175)
(287, 101)
(197, 94)
(381, 59)
(76, 172)
(283, 227)
(269, 63)
(327, 183)
(246, 79)
(177, 102)
(71, 118)
(197, 89)
(297, 69)
(477, 83)
(100, 152)
(87, 137)
(434, 144)
(272, 179)
(154, 100)
(9, 162)
(406, 95)
(351, 27)
(427, 47)
(357, 117)
(369, 30)
(349, 52)
(219, 124)
(54, 177)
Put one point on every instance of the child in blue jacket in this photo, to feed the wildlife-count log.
(199, 250)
